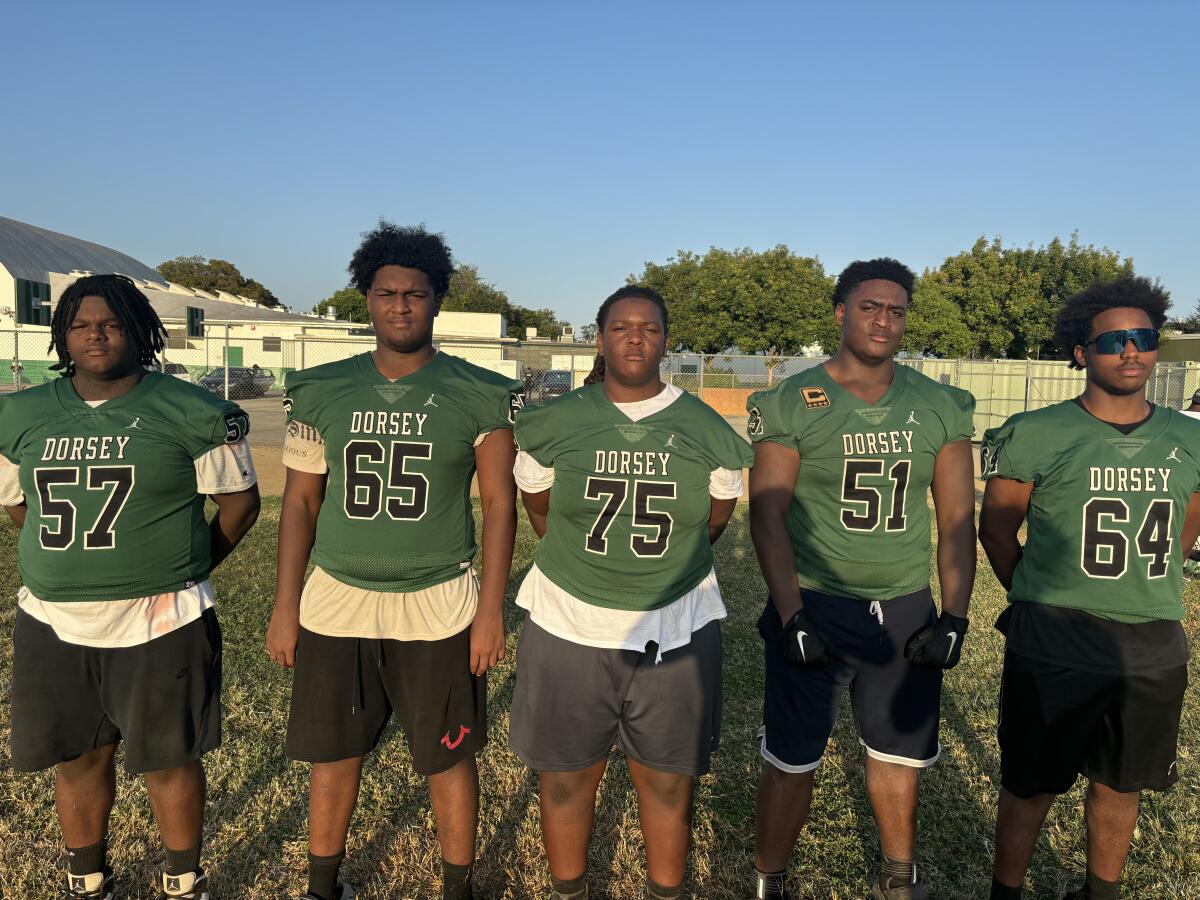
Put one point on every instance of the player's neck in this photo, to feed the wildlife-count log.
(89, 388)
(632, 393)
(868, 380)
(393, 364)
(1119, 409)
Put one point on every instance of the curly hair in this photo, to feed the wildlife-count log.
(141, 324)
(884, 268)
(409, 246)
(1073, 327)
(630, 290)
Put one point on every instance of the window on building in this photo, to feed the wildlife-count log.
(272, 345)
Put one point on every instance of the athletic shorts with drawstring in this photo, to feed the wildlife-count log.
(345, 690)
(896, 704)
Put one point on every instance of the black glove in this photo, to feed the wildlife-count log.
(802, 643)
(939, 644)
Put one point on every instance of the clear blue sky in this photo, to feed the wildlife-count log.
(561, 145)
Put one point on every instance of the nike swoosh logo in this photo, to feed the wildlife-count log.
(953, 638)
(800, 636)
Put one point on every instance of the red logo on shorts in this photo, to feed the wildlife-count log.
(463, 731)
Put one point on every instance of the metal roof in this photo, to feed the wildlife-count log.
(33, 253)
(173, 306)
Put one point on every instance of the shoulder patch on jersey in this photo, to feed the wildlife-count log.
(236, 426)
(516, 403)
(754, 425)
(287, 405)
(814, 397)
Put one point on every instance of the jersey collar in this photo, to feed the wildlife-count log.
(76, 405)
(899, 380)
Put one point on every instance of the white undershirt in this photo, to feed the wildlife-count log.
(126, 623)
(571, 619)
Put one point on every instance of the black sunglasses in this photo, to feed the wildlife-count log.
(1110, 342)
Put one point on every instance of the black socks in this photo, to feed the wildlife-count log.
(655, 891)
(323, 875)
(456, 881)
(1004, 892)
(180, 862)
(574, 889)
(86, 860)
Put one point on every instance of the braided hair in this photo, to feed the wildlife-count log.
(630, 290)
(142, 327)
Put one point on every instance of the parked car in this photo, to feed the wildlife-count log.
(178, 370)
(548, 384)
(244, 383)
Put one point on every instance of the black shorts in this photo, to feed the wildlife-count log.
(161, 698)
(1057, 723)
(573, 703)
(896, 704)
(345, 689)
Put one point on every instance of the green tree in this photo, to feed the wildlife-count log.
(1190, 324)
(1008, 296)
(470, 293)
(773, 302)
(935, 323)
(587, 334)
(349, 304)
(215, 275)
(544, 320)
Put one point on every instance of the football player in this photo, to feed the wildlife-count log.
(627, 482)
(1095, 661)
(105, 470)
(846, 454)
(380, 452)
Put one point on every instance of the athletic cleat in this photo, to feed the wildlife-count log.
(188, 886)
(345, 892)
(96, 886)
(914, 891)
(770, 886)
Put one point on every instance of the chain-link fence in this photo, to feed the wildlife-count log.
(245, 368)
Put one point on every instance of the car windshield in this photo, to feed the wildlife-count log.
(558, 379)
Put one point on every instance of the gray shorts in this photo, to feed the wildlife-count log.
(573, 703)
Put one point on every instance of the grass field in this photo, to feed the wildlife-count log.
(255, 840)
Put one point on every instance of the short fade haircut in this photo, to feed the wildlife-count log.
(884, 268)
(142, 327)
(411, 247)
(1073, 327)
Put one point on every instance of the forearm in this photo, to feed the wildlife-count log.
(776, 559)
(297, 533)
(956, 557)
(1003, 552)
(718, 517)
(499, 532)
(230, 524)
(17, 514)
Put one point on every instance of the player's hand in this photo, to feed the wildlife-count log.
(939, 644)
(282, 635)
(487, 641)
(802, 643)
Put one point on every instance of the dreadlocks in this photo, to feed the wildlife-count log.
(141, 324)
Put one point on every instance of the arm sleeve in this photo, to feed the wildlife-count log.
(725, 484)
(960, 420)
(10, 483)
(770, 420)
(1005, 453)
(226, 469)
(535, 435)
(304, 449)
(531, 476)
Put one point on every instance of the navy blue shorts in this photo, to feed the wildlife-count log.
(896, 704)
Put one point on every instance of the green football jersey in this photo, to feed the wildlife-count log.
(859, 522)
(111, 490)
(401, 454)
(629, 508)
(1106, 511)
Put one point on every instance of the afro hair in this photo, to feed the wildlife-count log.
(1073, 327)
(885, 269)
(411, 247)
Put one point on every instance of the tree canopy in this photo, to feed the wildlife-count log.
(348, 303)
(215, 275)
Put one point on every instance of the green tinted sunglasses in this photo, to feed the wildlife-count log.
(1144, 340)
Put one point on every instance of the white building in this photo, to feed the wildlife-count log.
(37, 265)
